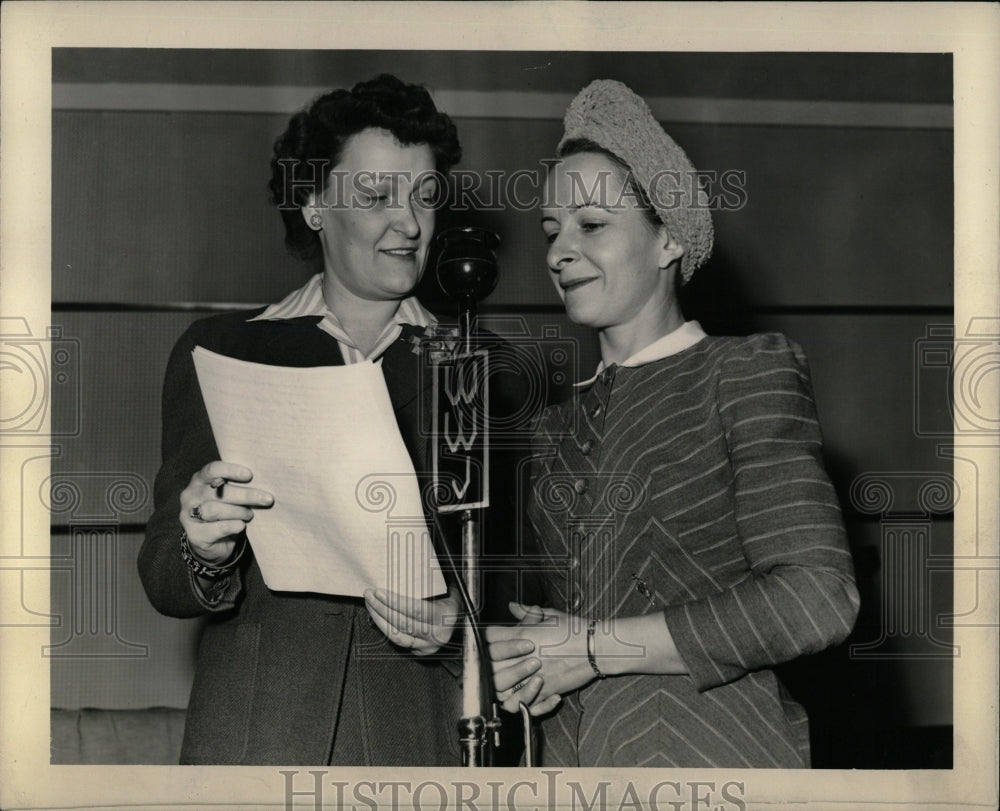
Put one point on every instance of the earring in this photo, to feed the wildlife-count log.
(316, 222)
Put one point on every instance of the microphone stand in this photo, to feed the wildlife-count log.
(467, 270)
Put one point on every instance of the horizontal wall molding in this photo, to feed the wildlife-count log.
(500, 309)
(854, 309)
(135, 528)
(285, 99)
(152, 307)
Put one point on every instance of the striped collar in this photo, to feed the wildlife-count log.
(308, 300)
(684, 337)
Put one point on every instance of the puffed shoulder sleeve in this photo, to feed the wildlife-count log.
(799, 596)
(187, 445)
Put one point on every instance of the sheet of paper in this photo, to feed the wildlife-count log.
(324, 441)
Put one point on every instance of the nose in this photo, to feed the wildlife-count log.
(561, 253)
(405, 221)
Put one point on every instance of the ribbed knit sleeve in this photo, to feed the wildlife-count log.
(800, 595)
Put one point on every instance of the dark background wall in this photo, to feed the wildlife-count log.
(845, 243)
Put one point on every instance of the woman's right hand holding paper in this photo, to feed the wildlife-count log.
(215, 509)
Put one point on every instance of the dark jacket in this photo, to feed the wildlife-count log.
(274, 668)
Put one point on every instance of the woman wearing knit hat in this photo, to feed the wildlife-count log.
(690, 539)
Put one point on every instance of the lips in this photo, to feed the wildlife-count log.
(576, 284)
(402, 252)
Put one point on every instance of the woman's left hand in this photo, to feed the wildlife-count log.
(423, 626)
(539, 660)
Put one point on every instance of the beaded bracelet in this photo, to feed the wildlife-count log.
(591, 657)
(207, 569)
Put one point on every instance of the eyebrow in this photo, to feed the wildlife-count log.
(581, 206)
(386, 181)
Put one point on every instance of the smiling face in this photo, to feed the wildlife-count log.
(612, 270)
(376, 218)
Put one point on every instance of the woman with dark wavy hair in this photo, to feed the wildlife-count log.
(302, 678)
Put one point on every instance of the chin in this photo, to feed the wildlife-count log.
(581, 315)
(402, 281)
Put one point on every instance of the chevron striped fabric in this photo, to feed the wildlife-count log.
(693, 486)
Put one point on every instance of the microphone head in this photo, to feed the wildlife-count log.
(467, 267)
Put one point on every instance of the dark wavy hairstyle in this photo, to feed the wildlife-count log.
(312, 144)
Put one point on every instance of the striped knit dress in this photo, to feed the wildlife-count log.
(693, 486)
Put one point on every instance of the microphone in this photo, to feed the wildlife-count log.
(467, 271)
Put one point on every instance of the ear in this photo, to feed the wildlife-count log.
(311, 214)
(671, 250)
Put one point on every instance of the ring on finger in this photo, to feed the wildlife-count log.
(517, 687)
(217, 482)
(196, 513)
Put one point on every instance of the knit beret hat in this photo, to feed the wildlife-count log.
(608, 113)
